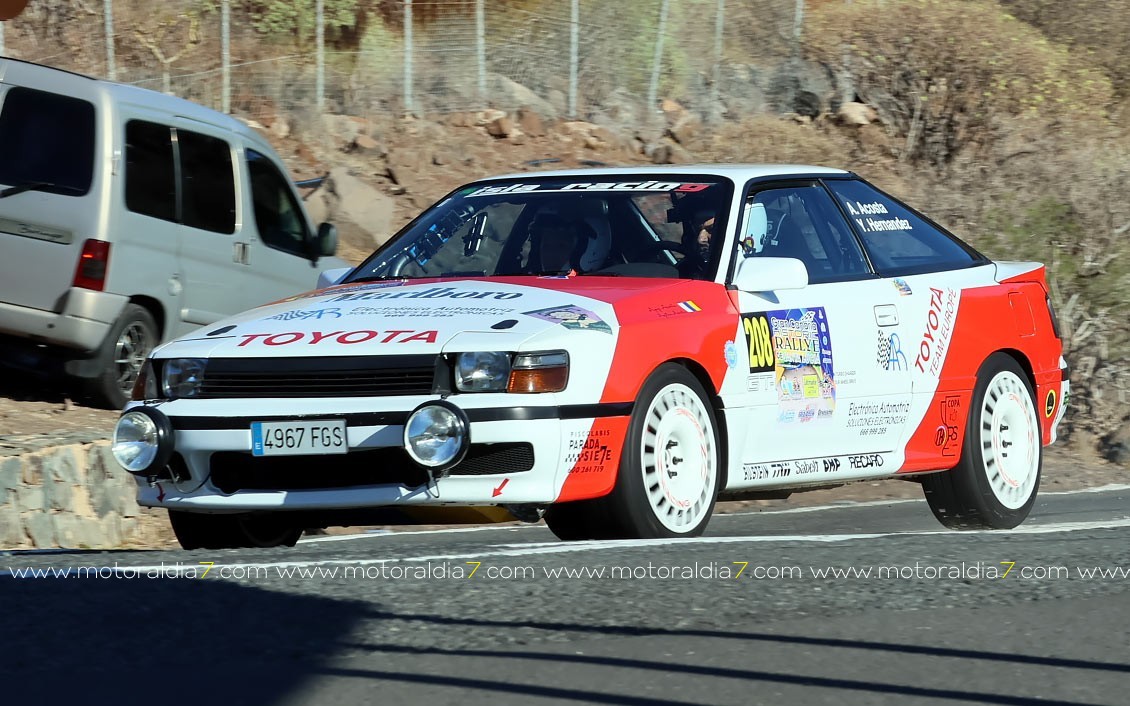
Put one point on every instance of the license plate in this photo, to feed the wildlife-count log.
(298, 438)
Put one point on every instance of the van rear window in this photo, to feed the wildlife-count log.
(47, 139)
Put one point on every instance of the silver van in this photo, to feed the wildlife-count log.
(128, 217)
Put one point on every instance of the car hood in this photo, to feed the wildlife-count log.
(424, 316)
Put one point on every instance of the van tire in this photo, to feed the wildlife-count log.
(130, 341)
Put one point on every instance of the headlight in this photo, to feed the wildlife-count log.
(143, 441)
(539, 372)
(482, 371)
(182, 377)
(437, 435)
(145, 387)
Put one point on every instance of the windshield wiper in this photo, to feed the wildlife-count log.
(33, 186)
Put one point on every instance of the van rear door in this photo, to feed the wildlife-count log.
(49, 193)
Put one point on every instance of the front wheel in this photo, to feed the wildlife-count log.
(671, 465)
(995, 483)
(202, 531)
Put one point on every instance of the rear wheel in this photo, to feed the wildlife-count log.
(123, 353)
(995, 483)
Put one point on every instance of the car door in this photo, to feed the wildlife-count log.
(828, 387)
(928, 268)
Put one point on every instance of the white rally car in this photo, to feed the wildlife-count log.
(614, 348)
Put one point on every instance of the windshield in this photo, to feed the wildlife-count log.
(628, 225)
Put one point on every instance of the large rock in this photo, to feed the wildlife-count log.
(856, 114)
(1116, 447)
(510, 95)
(366, 207)
(802, 87)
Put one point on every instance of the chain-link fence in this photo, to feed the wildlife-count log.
(564, 58)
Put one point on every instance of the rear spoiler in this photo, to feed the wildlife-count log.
(1016, 272)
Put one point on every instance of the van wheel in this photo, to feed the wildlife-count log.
(124, 351)
(994, 484)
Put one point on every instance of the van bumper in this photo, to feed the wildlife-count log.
(82, 324)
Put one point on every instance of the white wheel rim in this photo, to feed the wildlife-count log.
(679, 459)
(1010, 440)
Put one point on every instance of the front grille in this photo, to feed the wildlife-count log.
(234, 470)
(367, 376)
(492, 459)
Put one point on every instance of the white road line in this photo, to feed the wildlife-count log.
(551, 548)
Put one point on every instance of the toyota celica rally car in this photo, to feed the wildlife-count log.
(614, 349)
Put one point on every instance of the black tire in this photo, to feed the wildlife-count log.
(579, 520)
(995, 483)
(130, 341)
(266, 530)
(195, 530)
(200, 531)
(644, 486)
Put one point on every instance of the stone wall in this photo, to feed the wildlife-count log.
(67, 491)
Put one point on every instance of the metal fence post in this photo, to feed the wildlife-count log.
(574, 33)
(111, 64)
(653, 88)
(320, 71)
(225, 55)
(481, 49)
(1, 39)
(409, 106)
(716, 75)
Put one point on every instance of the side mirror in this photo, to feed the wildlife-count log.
(767, 274)
(325, 242)
(329, 278)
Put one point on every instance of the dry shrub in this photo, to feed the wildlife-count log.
(768, 139)
(939, 71)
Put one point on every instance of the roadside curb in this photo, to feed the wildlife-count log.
(65, 490)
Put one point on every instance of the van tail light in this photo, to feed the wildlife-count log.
(91, 272)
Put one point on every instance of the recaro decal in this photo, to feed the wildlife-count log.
(340, 337)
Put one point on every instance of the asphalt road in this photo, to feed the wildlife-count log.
(403, 620)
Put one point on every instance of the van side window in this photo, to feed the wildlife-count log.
(278, 215)
(46, 138)
(208, 199)
(150, 179)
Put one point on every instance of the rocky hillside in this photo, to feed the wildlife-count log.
(1002, 119)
